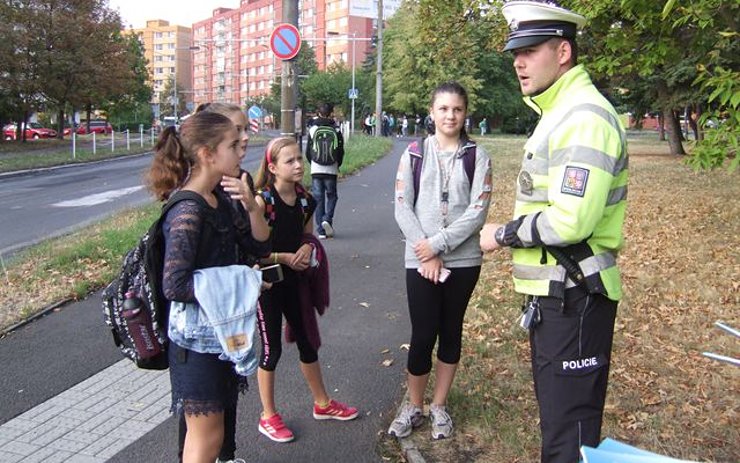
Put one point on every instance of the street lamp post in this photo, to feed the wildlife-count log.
(354, 94)
(353, 39)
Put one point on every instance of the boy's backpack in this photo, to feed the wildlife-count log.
(416, 152)
(324, 145)
(141, 273)
(269, 198)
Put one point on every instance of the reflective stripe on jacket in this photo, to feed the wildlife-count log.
(571, 190)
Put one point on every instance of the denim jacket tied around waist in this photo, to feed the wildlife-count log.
(224, 318)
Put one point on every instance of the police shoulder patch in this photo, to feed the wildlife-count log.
(574, 181)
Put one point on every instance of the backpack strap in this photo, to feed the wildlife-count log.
(416, 156)
(303, 200)
(468, 156)
(416, 152)
(270, 214)
(269, 199)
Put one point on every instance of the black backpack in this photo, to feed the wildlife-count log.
(324, 144)
(141, 273)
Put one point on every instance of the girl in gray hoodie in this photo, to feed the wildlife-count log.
(440, 222)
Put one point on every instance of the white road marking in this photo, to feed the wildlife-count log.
(98, 198)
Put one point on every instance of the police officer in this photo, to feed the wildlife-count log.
(567, 227)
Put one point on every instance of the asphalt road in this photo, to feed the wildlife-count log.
(44, 203)
(366, 324)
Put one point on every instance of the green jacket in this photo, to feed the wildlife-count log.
(571, 191)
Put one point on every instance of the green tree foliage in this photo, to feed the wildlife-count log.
(633, 43)
(329, 86)
(429, 42)
(167, 99)
(131, 104)
(718, 76)
(20, 79)
(67, 53)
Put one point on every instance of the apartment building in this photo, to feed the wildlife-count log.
(234, 62)
(227, 57)
(168, 49)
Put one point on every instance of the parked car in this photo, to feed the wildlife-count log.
(96, 126)
(34, 131)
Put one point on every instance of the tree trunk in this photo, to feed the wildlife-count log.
(695, 123)
(674, 133)
(60, 124)
(661, 126)
(88, 111)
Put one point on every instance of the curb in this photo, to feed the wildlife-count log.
(410, 452)
(33, 170)
(74, 164)
(408, 447)
(36, 316)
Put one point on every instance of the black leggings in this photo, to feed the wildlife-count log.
(282, 299)
(437, 311)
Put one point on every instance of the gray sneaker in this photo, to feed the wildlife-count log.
(441, 422)
(408, 418)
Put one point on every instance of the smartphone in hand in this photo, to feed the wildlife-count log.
(444, 273)
(272, 273)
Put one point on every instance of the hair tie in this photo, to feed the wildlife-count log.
(268, 156)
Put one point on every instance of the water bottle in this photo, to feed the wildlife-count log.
(140, 326)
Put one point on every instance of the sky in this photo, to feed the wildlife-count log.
(177, 12)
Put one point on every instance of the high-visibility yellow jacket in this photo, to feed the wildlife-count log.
(571, 191)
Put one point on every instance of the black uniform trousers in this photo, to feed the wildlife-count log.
(571, 349)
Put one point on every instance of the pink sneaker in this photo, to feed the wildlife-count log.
(274, 428)
(334, 411)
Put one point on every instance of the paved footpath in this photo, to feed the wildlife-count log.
(67, 396)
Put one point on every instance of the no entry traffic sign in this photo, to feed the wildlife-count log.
(285, 41)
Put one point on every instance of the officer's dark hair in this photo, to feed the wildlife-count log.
(573, 48)
(325, 109)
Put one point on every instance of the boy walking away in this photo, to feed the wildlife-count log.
(325, 152)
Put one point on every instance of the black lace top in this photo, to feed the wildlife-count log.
(198, 238)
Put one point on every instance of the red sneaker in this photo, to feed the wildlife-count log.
(334, 411)
(274, 428)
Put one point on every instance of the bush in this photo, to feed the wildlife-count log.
(519, 125)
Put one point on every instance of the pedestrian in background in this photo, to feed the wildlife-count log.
(325, 152)
(203, 158)
(288, 209)
(567, 227)
(439, 213)
(483, 126)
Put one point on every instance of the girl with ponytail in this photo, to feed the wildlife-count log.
(204, 160)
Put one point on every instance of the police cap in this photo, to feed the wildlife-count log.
(532, 23)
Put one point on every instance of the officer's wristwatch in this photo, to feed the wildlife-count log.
(499, 235)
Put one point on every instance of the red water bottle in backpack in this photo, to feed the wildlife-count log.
(140, 326)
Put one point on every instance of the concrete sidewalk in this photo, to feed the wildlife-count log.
(92, 421)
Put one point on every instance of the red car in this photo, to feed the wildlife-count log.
(34, 131)
(96, 126)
